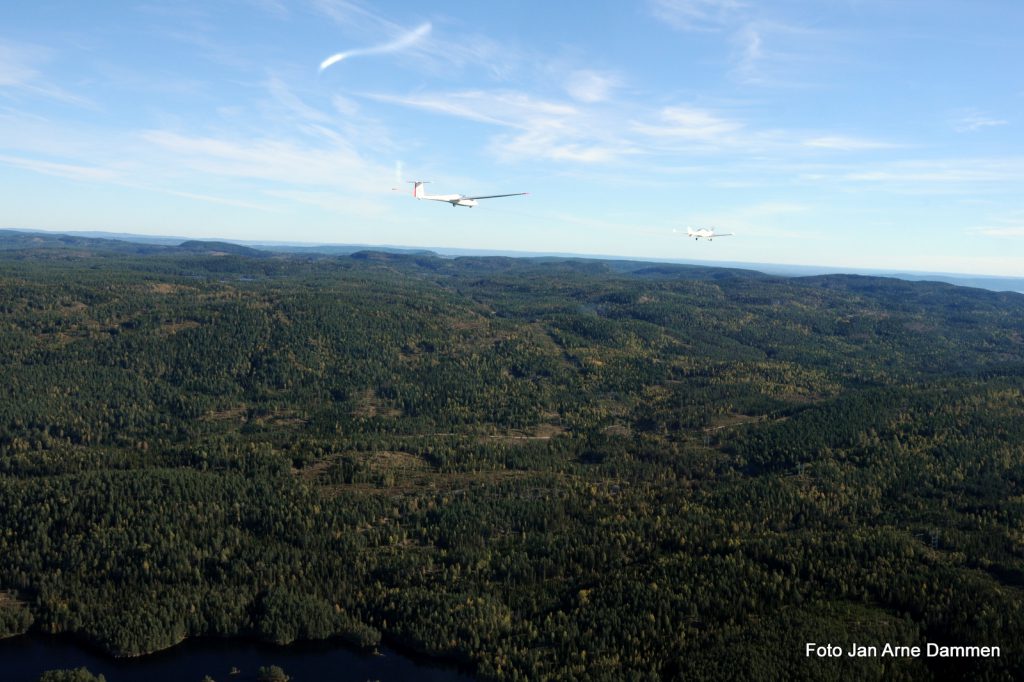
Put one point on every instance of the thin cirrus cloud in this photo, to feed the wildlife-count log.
(846, 144)
(64, 170)
(766, 51)
(970, 121)
(553, 140)
(403, 42)
(1004, 231)
(19, 73)
(1009, 225)
(696, 15)
(539, 129)
(947, 172)
(690, 124)
(770, 53)
(507, 108)
(591, 86)
(536, 128)
(272, 160)
(15, 65)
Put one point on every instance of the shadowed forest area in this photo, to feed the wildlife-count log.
(544, 468)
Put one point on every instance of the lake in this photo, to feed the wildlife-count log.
(24, 658)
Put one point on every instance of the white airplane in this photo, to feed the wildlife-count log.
(705, 233)
(454, 199)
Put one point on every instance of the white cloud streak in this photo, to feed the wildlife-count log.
(690, 124)
(430, 52)
(403, 42)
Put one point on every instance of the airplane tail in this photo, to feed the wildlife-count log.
(417, 188)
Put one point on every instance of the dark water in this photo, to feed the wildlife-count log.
(23, 659)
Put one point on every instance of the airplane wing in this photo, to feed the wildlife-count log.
(495, 196)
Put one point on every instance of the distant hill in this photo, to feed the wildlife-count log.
(217, 248)
(17, 240)
(110, 243)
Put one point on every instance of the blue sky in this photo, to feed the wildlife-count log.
(845, 133)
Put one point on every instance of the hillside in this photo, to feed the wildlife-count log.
(547, 468)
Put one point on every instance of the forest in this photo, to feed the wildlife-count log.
(541, 468)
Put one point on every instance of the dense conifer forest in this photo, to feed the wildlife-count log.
(543, 468)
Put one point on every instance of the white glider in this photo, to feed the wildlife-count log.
(705, 233)
(454, 199)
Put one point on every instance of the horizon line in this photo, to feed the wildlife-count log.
(515, 253)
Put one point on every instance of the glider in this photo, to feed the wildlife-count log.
(454, 199)
(705, 233)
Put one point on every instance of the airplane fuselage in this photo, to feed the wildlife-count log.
(453, 199)
(704, 233)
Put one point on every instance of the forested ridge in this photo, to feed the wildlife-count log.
(543, 468)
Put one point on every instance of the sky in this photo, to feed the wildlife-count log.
(843, 133)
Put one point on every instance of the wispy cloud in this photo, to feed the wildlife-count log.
(19, 74)
(403, 42)
(779, 54)
(275, 7)
(280, 161)
(591, 86)
(690, 124)
(338, 121)
(540, 129)
(117, 176)
(507, 108)
(696, 15)
(1004, 231)
(430, 51)
(970, 120)
(607, 132)
(945, 172)
(766, 49)
(59, 169)
(15, 68)
(554, 140)
(846, 144)
(1005, 226)
(283, 95)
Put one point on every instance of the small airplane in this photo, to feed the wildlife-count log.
(454, 199)
(705, 233)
